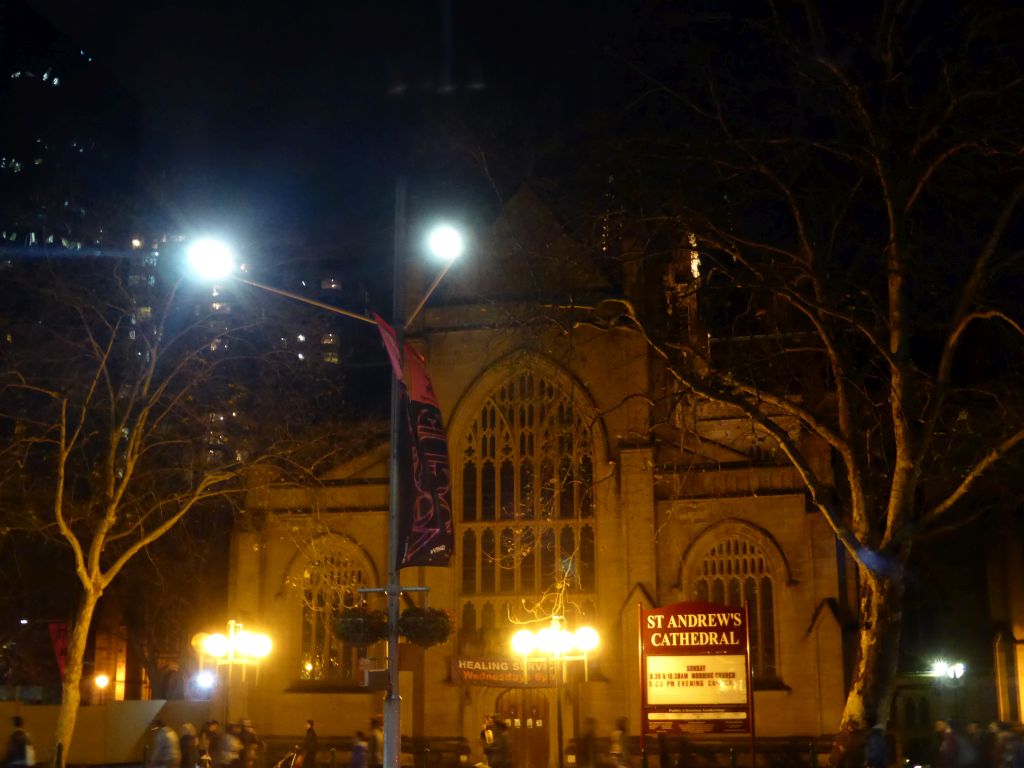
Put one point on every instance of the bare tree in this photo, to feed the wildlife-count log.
(827, 203)
(122, 412)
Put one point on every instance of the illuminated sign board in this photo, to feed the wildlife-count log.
(502, 672)
(695, 669)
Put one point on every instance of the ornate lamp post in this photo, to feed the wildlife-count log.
(556, 643)
(239, 647)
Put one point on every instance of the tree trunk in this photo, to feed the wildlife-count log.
(71, 688)
(874, 678)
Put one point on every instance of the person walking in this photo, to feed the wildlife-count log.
(618, 749)
(359, 747)
(876, 749)
(165, 751)
(487, 738)
(375, 751)
(310, 746)
(20, 750)
(586, 745)
(252, 746)
(501, 750)
(188, 741)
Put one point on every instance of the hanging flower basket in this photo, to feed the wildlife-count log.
(425, 626)
(361, 626)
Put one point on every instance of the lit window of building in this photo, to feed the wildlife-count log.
(330, 583)
(736, 570)
(526, 505)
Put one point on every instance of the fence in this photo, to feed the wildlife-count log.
(105, 734)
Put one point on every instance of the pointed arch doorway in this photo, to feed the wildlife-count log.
(525, 711)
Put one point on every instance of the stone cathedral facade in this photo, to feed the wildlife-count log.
(579, 485)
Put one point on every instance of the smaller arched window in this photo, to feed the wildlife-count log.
(736, 570)
(331, 581)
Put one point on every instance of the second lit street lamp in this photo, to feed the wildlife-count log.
(556, 643)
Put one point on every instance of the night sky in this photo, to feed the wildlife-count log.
(293, 120)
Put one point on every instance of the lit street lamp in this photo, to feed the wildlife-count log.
(949, 674)
(555, 643)
(213, 260)
(239, 647)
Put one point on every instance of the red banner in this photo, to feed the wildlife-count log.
(59, 636)
(426, 535)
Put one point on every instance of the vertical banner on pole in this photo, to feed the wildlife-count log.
(695, 670)
(426, 535)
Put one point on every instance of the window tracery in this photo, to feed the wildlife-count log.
(330, 583)
(734, 571)
(526, 505)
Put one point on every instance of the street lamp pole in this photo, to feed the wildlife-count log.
(393, 591)
(560, 671)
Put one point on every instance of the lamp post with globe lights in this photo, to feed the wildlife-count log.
(240, 647)
(556, 643)
(214, 260)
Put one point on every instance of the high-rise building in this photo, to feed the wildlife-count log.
(68, 141)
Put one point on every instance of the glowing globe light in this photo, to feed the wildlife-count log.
(252, 645)
(547, 640)
(564, 642)
(587, 639)
(205, 680)
(101, 681)
(523, 642)
(445, 242)
(216, 645)
(211, 259)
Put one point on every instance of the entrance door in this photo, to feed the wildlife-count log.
(525, 712)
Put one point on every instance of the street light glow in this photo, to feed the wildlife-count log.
(102, 681)
(942, 668)
(205, 680)
(252, 645)
(211, 259)
(523, 642)
(587, 639)
(445, 242)
(239, 646)
(216, 645)
(555, 640)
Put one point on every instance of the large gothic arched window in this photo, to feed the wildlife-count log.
(330, 583)
(525, 503)
(734, 571)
